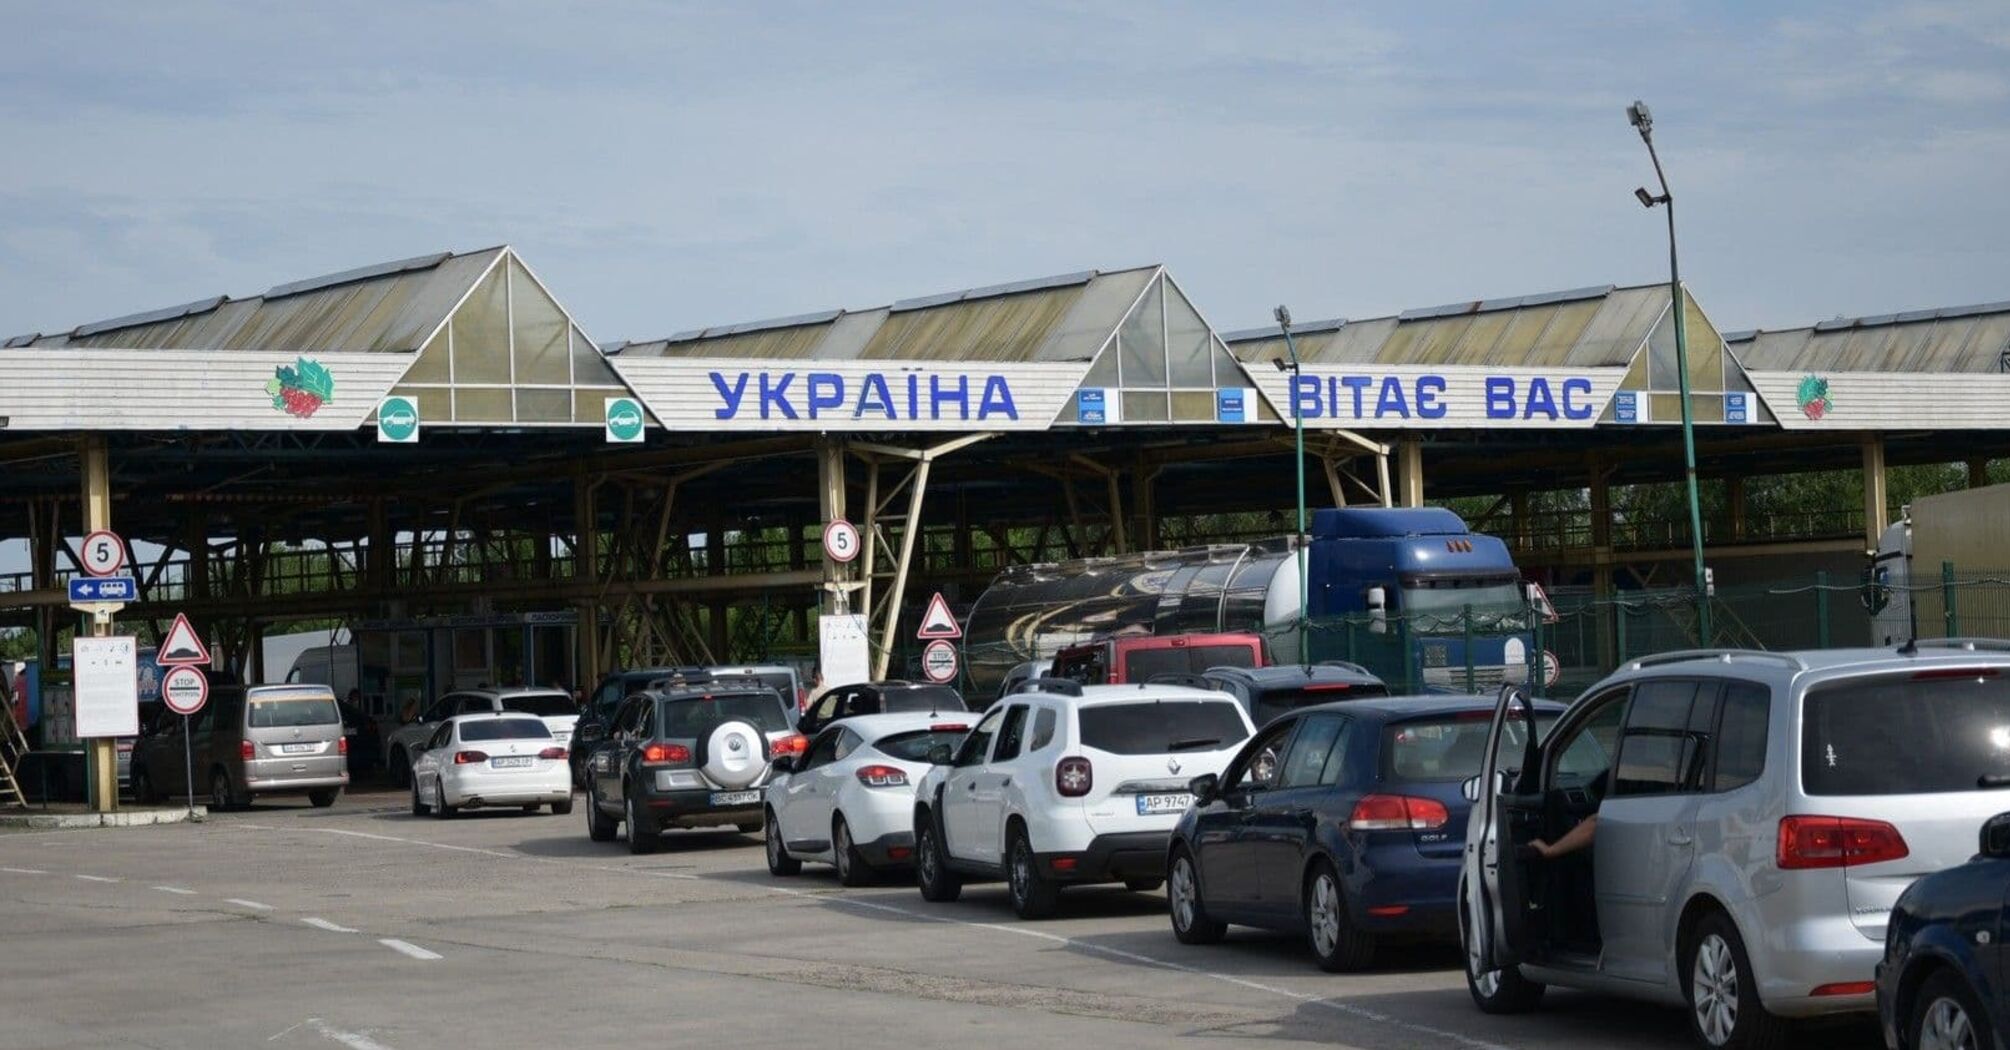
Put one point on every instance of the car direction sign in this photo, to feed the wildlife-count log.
(104, 553)
(184, 690)
(398, 420)
(841, 541)
(103, 590)
(938, 661)
(182, 645)
(938, 621)
(623, 417)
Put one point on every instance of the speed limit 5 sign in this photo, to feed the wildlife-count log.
(841, 540)
(104, 553)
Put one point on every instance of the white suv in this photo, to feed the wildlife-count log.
(1063, 783)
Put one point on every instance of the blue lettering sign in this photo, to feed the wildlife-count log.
(1500, 397)
(1572, 409)
(1391, 402)
(997, 399)
(1304, 397)
(938, 396)
(826, 391)
(1626, 407)
(1428, 389)
(824, 394)
(1357, 384)
(1089, 407)
(1228, 406)
(730, 395)
(1539, 399)
(1735, 408)
(873, 396)
(777, 395)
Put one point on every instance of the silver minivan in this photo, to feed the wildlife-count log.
(1757, 816)
(249, 742)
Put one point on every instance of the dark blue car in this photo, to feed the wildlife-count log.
(1940, 985)
(1345, 821)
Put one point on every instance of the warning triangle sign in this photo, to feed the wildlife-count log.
(938, 621)
(182, 645)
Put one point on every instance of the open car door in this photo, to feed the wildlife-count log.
(1494, 897)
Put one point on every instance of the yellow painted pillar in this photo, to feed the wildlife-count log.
(103, 752)
(1875, 495)
(1410, 472)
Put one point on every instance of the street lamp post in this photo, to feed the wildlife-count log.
(1283, 315)
(1643, 120)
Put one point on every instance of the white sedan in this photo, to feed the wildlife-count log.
(492, 761)
(848, 799)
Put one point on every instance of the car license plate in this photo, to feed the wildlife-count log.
(735, 798)
(516, 762)
(297, 749)
(1149, 805)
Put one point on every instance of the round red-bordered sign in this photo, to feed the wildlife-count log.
(841, 541)
(104, 553)
(938, 661)
(184, 690)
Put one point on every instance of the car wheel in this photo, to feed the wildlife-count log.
(1503, 991)
(1034, 896)
(560, 809)
(418, 807)
(641, 836)
(440, 808)
(748, 828)
(1336, 943)
(851, 867)
(1946, 1016)
(1143, 885)
(1190, 920)
(323, 798)
(599, 826)
(219, 792)
(931, 867)
(780, 864)
(1724, 1007)
(401, 768)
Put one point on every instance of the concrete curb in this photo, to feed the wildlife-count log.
(124, 818)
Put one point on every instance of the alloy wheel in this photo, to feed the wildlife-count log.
(1185, 892)
(1325, 914)
(841, 850)
(926, 860)
(1713, 990)
(774, 838)
(1946, 1027)
(1022, 873)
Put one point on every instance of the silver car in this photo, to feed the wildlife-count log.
(555, 706)
(1757, 816)
(247, 743)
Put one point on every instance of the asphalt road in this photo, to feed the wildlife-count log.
(364, 927)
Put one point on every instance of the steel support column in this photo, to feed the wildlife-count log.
(586, 569)
(95, 466)
(1410, 471)
(916, 488)
(1876, 496)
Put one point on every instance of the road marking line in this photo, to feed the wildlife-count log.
(324, 924)
(253, 905)
(407, 948)
(176, 890)
(97, 878)
(352, 1040)
(24, 871)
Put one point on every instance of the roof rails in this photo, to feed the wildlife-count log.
(1193, 681)
(1344, 664)
(1063, 686)
(1724, 655)
(1994, 645)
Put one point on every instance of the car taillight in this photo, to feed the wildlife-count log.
(1836, 842)
(882, 777)
(245, 749)
(464, 758)
(552, 752)
(1073, 777)
(342, 745)
(949, 727)
(793, 744)
(1398, 813)
(665, 754)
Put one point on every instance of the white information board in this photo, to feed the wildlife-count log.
(842, 648)
(108, 687)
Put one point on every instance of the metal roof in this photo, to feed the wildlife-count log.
(1062, 318)
(388, 307)
(1951, 339)
(1599, 326)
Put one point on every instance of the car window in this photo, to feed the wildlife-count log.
(848, 742)
(636, 715)
(1449, 747)
(922, 698)
(442, 709)
(1586, 755)
(608, 697)
(1255, 769)
(505, 729)
(826, 707)
(1657, 747)
(1740, 739)
(1157, 727)
(1273, 703)
(477, 705)
(978, 744)
(289, 712)
(1089, 666)
(440, 736)
(1011, 734)
(545, 705)
(823, 750)
(1318, 748)
(1201, 657)
(914, 745)
(1907, 734)
(699, 715)
(1043, 729)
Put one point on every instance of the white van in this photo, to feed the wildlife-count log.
(331, 665)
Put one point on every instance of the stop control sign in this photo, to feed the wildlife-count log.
(184, 690)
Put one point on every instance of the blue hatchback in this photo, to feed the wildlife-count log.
(1345, 821)
(1940, 985)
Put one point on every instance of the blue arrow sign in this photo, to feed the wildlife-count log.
(104, 589)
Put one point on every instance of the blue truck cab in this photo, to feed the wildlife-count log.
(1419, 579)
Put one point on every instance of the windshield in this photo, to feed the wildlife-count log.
(687, 719)
(1448, 597)
(1271, 703)
(281, 714)
(1902, 735)
(1160, 727)
(922, 698)
(505, 729)
(544, 705)
(914, 746)
(1144, 664)
(1449, 747)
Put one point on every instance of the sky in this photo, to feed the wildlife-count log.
(666, 166)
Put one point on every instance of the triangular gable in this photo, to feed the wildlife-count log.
(1164, 364)
(1721, 391)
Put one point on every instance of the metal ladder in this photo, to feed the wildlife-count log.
(13, 747)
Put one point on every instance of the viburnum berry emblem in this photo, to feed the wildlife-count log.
(299, 389)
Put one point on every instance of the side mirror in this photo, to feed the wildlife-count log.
(1471, 788)
(941, 755)
(1204, 788)
(1996, 836)
(1378, 610)
(782, 764)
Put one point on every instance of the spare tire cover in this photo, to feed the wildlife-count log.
(736, 753)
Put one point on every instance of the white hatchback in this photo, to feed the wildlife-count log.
(848, 800)
(493, 761)
(1062, 783)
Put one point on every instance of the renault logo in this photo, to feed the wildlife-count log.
(1172, 766)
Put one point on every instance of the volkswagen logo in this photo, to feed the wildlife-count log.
(736, 744)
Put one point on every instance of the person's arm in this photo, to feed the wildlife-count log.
(1573, 840)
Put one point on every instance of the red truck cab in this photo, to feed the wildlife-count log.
(1140, 658)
